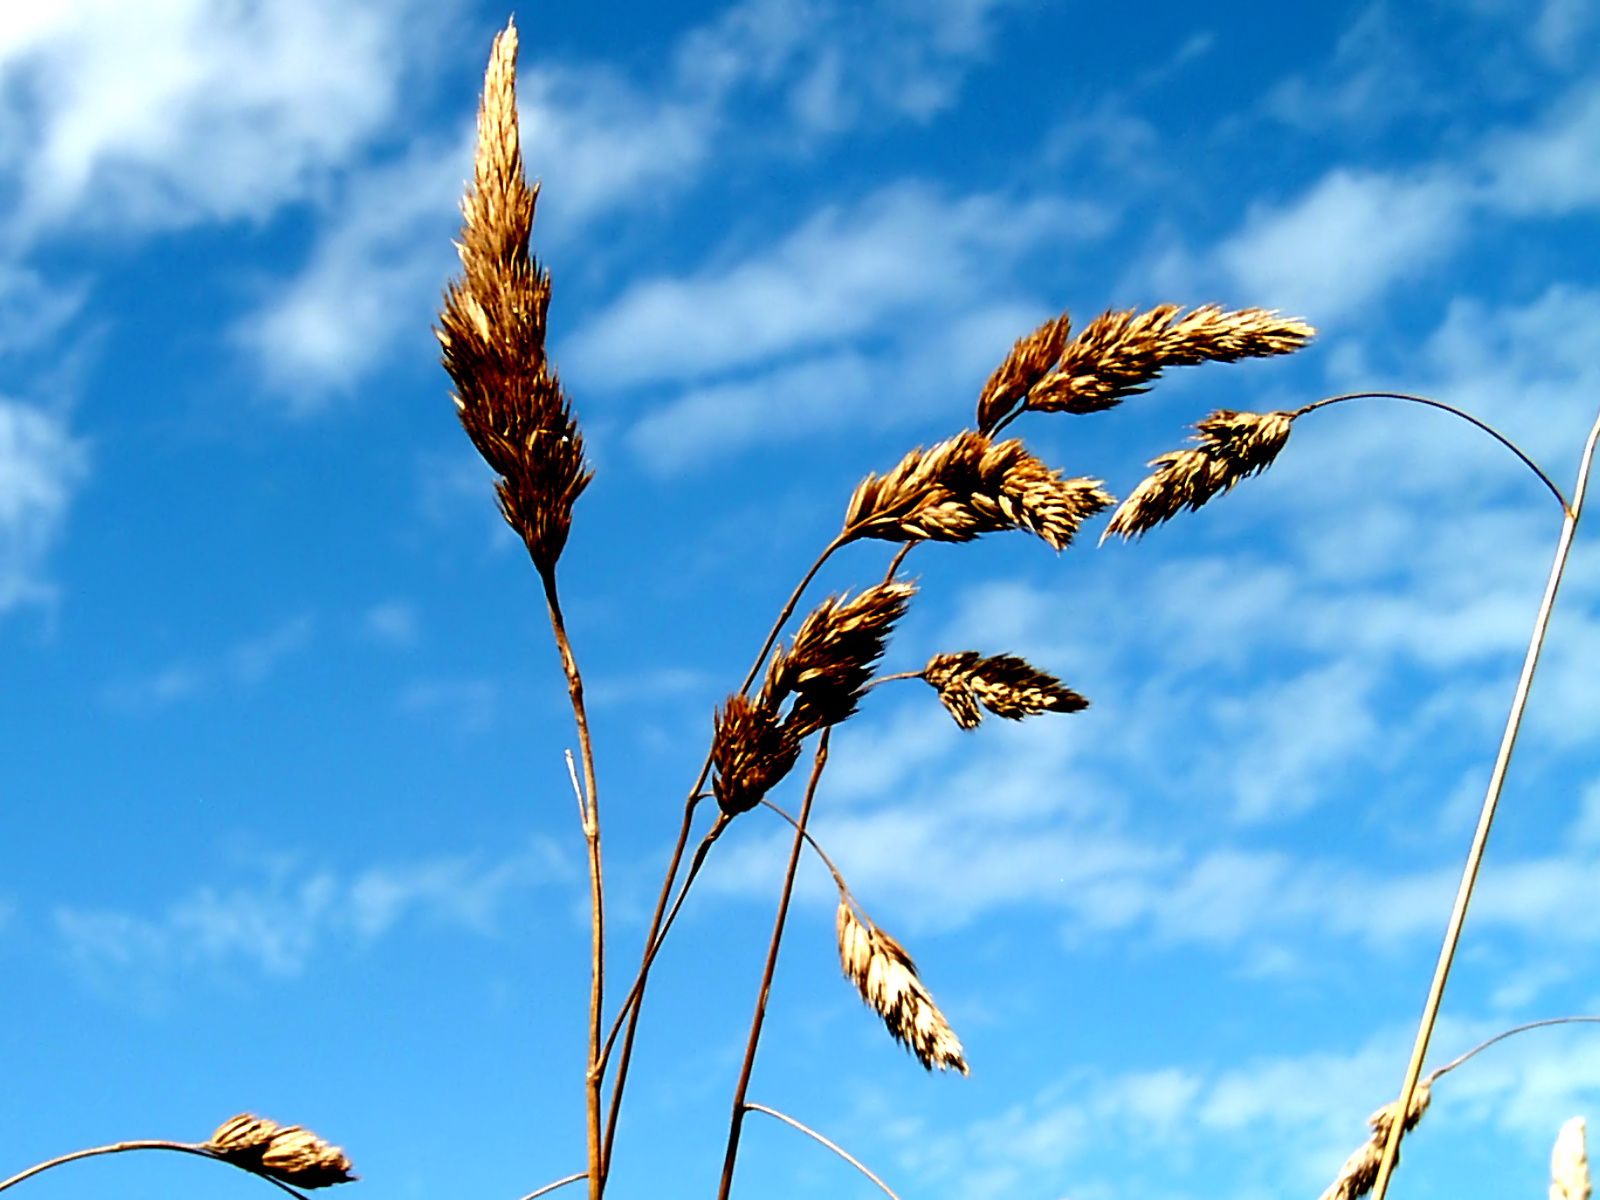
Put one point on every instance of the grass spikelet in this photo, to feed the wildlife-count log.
(1569, 1163)
(287, 1153)
(1005, 685)
(1032, 359)
(969, 485)
(751, 752)
(830, 659)
(492, 333)
(887, 980)
(1231, 446)
(1360, 1170)
(1120, 354)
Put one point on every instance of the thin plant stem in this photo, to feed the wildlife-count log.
(821, 853)
(560, 1183)
(1502, 1036)
(635, 1002)
(812, 1133)
(124, 1147)
(1469, 874)
(736, 1122)
(589, 804)
(1454, 411)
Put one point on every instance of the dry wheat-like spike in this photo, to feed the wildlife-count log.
(966, 486)
(1360, 1170)
(287, 1153)
(492, 333)
(1231, 446)
(1119, 354)
(751, 751)
(1004, 684)
(1569, 1163)
(887, 980)
(1030, 361)
(830, 659)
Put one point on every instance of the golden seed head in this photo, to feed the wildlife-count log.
(289, 1153)
(1569, 1163)
(887, 979)
(1360, 1171)
(1004, 684)
(751, 752)
(1230, 446)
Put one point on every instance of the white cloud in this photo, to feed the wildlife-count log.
(469, 705)
(394, 622)
(246, 665)
(1554, 167)
(155, 116)
(41, 466)
(276, 928)
(1345, 241)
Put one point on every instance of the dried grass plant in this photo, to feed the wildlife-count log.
(492, 331)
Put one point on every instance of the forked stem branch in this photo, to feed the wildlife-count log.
(1480, 838)
(736, 1122)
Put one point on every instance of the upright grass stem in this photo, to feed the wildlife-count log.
(594, 1074)
(1491, 799)
(736, 1121)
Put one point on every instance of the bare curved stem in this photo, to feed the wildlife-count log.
(815, 845)
(1502, 1036)
(560, 1183)
(1469, 875)
(589, 807)
(1454, 411)
(652, 942)
(736, 1122)
(124, 1147)
(812, 1133)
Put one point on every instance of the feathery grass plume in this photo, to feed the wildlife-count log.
(1360, 1170)
(1031, 360)
(492, 332)
(1232, 446)
(969, 485)
(1004, 684)
(830, 659)
(887, 980)
(1569, 1163)
(751, 752)
(287, 1153)
(1120, 354)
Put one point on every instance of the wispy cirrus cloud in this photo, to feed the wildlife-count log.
(42, 464)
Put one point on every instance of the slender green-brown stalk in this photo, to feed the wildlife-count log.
(1469, 875)
(736, 1122)
(123, 1147)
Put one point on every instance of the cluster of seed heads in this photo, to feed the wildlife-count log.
(286, 1153)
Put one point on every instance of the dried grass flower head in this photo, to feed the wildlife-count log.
(970, 485)
(1231, 446)
(492, 333)
(887, 980)
(1569, 1163)
(1120, 354)
(287, 1153)
(751, 751)
(828, 662)
(1360, 1170)
(1004, 684)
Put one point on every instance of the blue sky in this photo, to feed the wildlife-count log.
(288, 824)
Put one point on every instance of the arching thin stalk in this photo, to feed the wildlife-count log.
(123, 1147)
(1502, 1036)
(560, 1183)
(1469, 875)
(812, 1133)
(1454, 411)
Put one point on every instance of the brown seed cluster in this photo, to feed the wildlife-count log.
(825, 668)
(969, 485)
(492, 332)
(287, 1153)
(1360, 1170)
(1120, 354)
(1231, 446)
(887, 980)
(1004, 684)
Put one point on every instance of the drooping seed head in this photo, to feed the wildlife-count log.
(887, 979)
(1231, 446)
(287, 1153)
(1004, 684)
(751, 751)
(1360, 1171)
